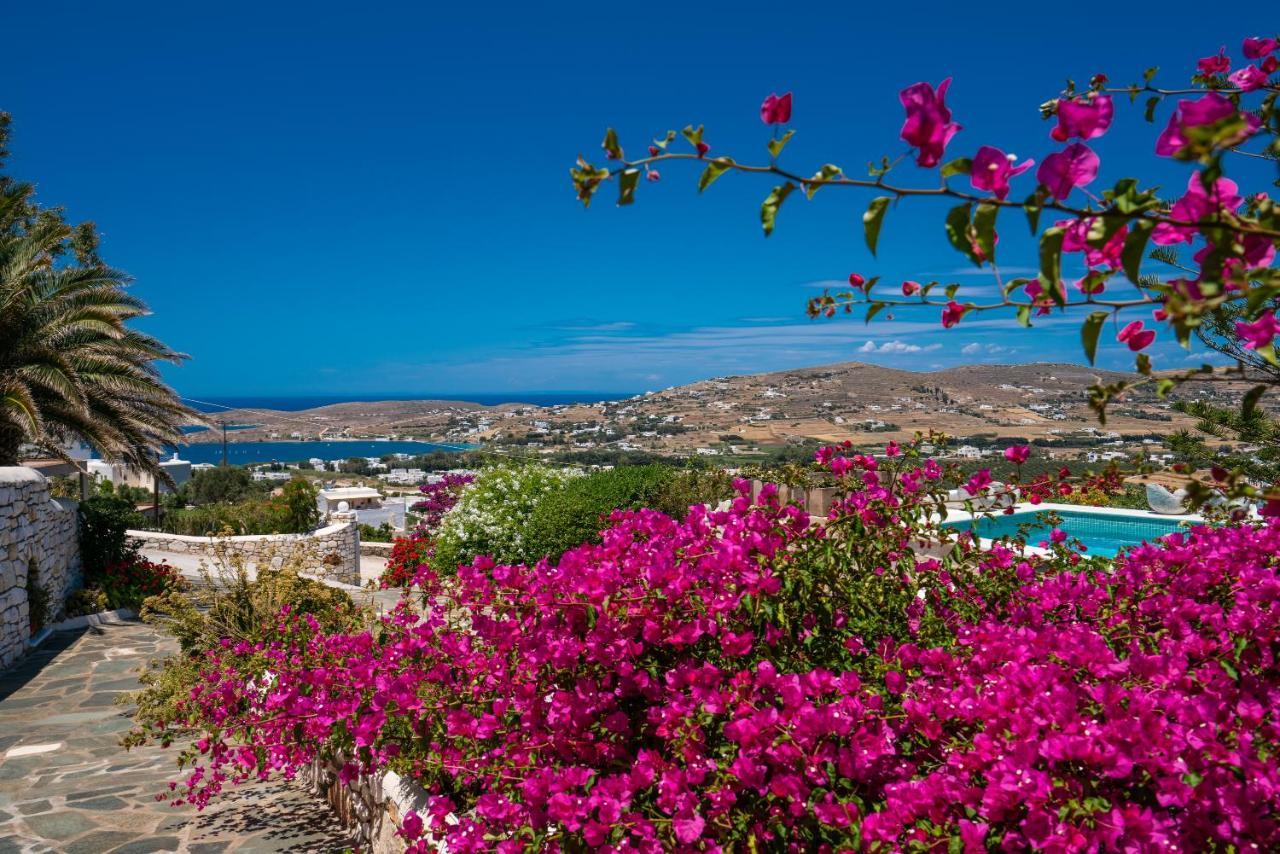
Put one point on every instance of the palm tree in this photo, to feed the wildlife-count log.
(70, 367)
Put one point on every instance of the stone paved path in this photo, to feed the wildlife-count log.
(66, 785)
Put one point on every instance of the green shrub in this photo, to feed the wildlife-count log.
(690, 486)
(575, 513)
(103, 541)
(384, 533)
(221, 485)
(292, 512)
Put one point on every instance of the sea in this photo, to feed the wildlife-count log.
(246, 453)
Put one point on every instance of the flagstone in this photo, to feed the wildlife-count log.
(88, 795)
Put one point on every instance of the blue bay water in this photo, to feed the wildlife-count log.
(245, 453)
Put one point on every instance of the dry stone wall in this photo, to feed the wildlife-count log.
(334, 549)
(39, 548)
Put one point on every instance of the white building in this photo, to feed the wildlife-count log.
(123, 475)
(366, 502)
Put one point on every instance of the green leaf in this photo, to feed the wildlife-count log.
(715, 168)
(1150, 112)
(1024, 315)
(1033, 207)
(627, 181)
(1090, 330)
(611, 146)
(959, 166)
(1250, 402)
(769, 209)
(957, 226)
(984, 226)
(816, 183)
(874, 309)
(776, 145)
(873, 219)
(666, 140)
(694, 135)
(1051, 262)
(1135, 244)
(951, 290)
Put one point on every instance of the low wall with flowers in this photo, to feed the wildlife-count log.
(39, 551)
(335, 547)
(372, 806)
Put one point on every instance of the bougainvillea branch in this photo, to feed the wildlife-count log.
(1111, 232)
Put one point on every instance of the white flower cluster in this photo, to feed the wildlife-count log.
(490, 516)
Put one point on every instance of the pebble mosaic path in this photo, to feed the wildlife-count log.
(67, 786)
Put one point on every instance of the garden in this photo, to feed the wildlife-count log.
(653, 659)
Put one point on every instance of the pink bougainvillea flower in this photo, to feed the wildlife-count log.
(689, 827)
(1249, 78)
(992, 169)
(411, 826)
(776, 110)
(951, 314)
(1218, 64)
(1074, 166)
(856, 281)
(1076, 239)
(1017, 453)
(1260, 332)
(1256, 48)
(980, 480)
(928, 126)
(910, 288)
(1205, 110)
(703, 148)
(1085, 117)
(1136, 336)
(1197, 204)
(653, 176)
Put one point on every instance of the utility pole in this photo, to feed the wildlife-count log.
(224, 442)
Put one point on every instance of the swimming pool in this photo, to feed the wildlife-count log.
(1103, 532)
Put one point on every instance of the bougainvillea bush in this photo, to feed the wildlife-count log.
(744, 679)
(438, 498)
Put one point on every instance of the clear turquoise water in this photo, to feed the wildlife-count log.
(1103, 535)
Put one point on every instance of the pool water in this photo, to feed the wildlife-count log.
(1104, 535)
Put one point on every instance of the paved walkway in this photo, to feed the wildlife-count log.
(67, 786)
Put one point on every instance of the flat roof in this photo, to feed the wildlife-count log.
(350, 492)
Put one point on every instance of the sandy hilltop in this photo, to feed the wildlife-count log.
(857, 401)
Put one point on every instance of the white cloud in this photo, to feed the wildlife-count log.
(974, 348)
(896, 347)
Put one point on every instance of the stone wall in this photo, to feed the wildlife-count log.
(37, 533)
(376, 549)
(335, 549)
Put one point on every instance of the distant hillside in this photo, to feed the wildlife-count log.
(850, 400)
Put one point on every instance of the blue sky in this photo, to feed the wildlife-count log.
(368, 198)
